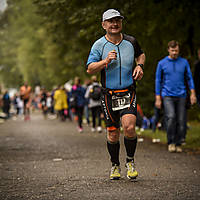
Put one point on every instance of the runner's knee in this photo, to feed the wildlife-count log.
(129, 130)
(113, 135)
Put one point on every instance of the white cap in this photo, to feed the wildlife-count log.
(111, 13)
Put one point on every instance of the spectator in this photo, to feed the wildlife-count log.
(79, 93)
(49, 102)
(6, 104)
(25, 95)
(158, 120)
(93, 92)
(16, 104)
(170, 85)
(86, 108)
(43, 101)
(60, 103)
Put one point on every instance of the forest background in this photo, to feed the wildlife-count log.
(47, 42)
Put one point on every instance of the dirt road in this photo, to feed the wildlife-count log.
(50, 160)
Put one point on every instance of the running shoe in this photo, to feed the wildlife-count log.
(99, 129)
(115, 173)
(80, 130)
(131, 172)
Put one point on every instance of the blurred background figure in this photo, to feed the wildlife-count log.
(43, 101)
(25, 95)
(60, 102)
(78, 93)
(93, 93)
(18, 105)
(158, 120)
(49, 103)
(86, 107)
(6, 104)
(140, 116)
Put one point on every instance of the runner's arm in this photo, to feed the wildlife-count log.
(138, 71)
(140, 59)
(98, 66)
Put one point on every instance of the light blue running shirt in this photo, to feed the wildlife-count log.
(118, 74)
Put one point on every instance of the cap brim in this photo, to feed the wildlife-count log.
(120, 16)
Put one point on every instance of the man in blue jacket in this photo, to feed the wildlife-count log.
(171, 89)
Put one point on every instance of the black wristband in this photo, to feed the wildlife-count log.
(141, 65)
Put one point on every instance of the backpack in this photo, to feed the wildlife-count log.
(95, 93)
(73, 100)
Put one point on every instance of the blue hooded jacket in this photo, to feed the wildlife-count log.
(79, 91)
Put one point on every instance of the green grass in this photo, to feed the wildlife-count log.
(192, 137)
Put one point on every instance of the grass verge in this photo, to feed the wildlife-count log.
(192, 137)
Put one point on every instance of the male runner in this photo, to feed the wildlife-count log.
(113, 55)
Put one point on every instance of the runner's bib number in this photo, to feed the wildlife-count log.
(119, 103)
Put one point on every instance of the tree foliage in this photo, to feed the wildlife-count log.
(47, 42)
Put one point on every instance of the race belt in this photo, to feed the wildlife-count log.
(120, 102)
(121, 99)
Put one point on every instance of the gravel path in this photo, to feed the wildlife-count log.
(50, 160)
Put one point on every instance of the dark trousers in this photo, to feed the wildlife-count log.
(174, 109)
(6, 110)
(26, 109)
(156, 118)
(96, 113)
(79, 113)
(158, 115)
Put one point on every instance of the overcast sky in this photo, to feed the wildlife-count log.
(3, 5)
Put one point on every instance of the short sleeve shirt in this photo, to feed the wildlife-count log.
(118, 74)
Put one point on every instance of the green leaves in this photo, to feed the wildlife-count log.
(48, 41)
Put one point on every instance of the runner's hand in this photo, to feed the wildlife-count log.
(112, 55)
(137, 73)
